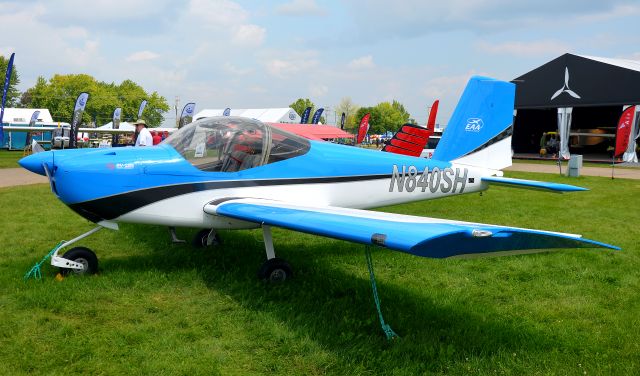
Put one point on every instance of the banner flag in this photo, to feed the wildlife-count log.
(143, 104)
(564, 129)
(5, 89)
(364, 128)
(342, 119)
(32, 123)
(316, 116)
(115, 124)
(187, 114)
(81, 102)
(431, 122)
(305, 115)
(226, 112)
(34, 118)
(623, 130)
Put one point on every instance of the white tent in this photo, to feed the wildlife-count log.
(23, 115)
(267, 115)
(125, 126)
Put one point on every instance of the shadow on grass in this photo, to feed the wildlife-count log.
(336, 308)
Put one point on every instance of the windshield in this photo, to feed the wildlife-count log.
(229, 144)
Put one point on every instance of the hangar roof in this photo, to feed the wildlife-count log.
(579, 80)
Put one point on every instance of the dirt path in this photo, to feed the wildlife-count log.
(619, 173)
(19, 176)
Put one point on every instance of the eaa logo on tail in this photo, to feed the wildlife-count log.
(474, 125)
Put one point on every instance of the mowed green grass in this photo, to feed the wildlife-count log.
(9, 159)
(159, 308)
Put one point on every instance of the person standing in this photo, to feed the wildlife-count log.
(144, 136)
(156, 138)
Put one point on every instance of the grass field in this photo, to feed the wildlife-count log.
(159, 308)
(9, 159)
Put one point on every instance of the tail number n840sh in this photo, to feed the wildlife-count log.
(445, 180)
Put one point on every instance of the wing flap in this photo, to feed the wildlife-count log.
(421, 236)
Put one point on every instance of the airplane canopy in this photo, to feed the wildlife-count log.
(230, 143)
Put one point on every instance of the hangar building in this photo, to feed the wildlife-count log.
(583, 96)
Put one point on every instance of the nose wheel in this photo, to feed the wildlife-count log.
(274, 269)
(83, 256)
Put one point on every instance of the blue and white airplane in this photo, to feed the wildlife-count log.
(238, 173)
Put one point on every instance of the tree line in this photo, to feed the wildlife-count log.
(59, 93)
(385, 116)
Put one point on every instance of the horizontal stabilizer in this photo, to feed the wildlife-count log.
(532, 184)
(421, 236)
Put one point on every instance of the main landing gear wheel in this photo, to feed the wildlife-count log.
(275, 270)
(205, 238)
(84, 256)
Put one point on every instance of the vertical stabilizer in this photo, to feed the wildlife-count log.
(479, 131)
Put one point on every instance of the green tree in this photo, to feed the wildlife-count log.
(60, 92)
(350, 109)
(385, 117)
(300, 104)
(13, 95)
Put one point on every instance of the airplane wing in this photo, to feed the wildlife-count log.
(421, 236)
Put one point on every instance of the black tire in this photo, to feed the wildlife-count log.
(275, 270)
(200, 240)
(83, 255)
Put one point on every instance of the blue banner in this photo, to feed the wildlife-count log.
(7, 80)
(143, 104)
(78, 109)
(187, 114)
(226, 112)
(344, 116)
(305, 115)
(316, 116)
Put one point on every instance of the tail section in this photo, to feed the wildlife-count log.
(479, 131)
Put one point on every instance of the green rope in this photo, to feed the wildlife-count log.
(36, 271)
(385, 327)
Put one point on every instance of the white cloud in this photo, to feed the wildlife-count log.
(525, 49)
(230, 68)
(301, 8)
(414, 18)
(218, 13)
(142, 56)
(318, 90)
(364, 62)
(293, 64)
(249, 35)
(227, 19)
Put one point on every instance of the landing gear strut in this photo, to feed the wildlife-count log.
(205, 238)
(274, 269)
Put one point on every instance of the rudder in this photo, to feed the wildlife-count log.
(479, 131)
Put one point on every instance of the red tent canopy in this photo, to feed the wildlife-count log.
(314, 131)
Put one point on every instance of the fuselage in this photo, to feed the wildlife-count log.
(158, 185)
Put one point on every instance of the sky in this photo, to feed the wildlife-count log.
(255, 54)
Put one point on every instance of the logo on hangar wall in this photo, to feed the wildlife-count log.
(565, 87)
